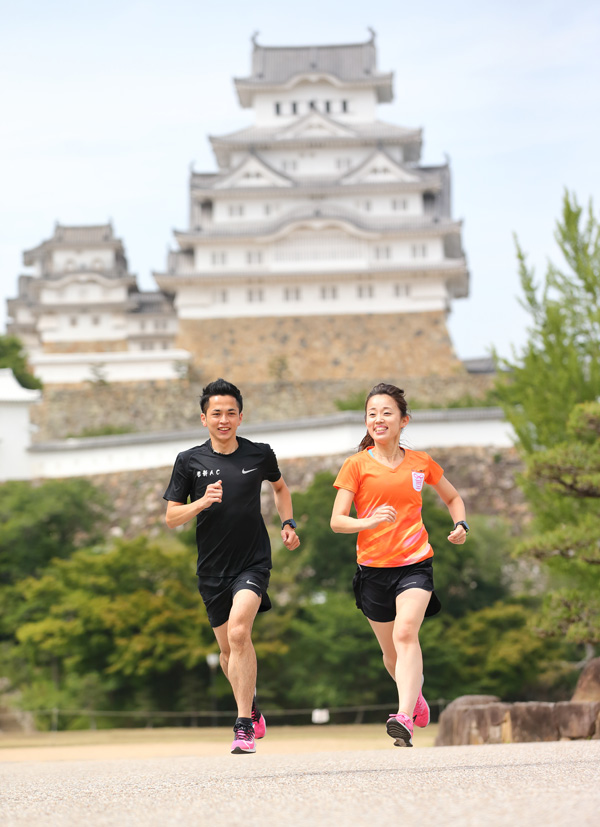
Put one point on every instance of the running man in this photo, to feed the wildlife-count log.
(393, 584)
(222, 479)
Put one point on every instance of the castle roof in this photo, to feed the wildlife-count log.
(348, 64)
(89, 235)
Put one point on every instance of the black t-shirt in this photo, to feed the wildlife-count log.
(231, 535)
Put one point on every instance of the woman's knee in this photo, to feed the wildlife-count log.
(406, 632)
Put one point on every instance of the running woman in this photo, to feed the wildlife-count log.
(222, 479)
(393, 584)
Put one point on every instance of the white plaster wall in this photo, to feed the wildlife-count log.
(362, 103)
(206, 302)
(339, 434)
(123, 366)
(101, 259)
(94, 326)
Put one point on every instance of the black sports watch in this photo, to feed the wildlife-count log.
(463, 524)
(291, 523)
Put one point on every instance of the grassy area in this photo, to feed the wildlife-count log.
(279, 739)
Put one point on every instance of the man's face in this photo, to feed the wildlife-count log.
(222, 418)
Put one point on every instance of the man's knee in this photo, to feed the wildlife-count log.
(238, 635)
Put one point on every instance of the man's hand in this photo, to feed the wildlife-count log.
(290, 538)
(213, 494)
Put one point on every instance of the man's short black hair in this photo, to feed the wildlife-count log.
(220, 387)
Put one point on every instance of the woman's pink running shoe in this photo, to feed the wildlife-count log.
(400, 727)
(260, 726)
(421, 714)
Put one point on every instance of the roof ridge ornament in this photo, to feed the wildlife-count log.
(373, 34)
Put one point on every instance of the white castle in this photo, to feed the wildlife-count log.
(318, 209)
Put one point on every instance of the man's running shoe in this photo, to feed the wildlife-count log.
(243, 741)
(258, 720)
(421, 714)
(400, 727)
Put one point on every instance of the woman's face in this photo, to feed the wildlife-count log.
(384, 420)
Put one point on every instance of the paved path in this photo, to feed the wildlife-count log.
(518, 785)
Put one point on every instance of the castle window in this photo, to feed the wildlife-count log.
(236, 209)
(419, 250)
(95, 320)
(402, 290)
(73, 321)
(294, 108)
(343, 163)
(328, 106)
(400, 204)
(365, 291)
(312, 105)
(218, 258)
(344, 106)
(289, 166)
(147, 345)
(382, 253)
(268, 209)
(255, 294)
(366, 205)
(329, 292)
(222, 296)
(253, 257)
(291, 294)
(278, 109)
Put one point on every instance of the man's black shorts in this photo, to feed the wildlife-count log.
(376, 589)
(217, 593)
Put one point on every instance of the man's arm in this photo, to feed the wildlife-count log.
(180, 513)
(283, 504)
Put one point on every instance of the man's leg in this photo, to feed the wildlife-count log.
(238, 658)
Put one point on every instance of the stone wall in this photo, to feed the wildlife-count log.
(484, 719)
(173, 405)
(306, 348)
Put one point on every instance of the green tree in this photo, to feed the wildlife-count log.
(543, 395)
(123, 627)
(39, 522)
(13, 356)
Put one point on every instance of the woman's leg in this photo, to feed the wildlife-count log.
(410, 611)
(384, 634)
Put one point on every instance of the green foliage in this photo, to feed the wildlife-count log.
(130, 614)
(39, 522)
(13, 356)
(325, 560)
(103, 430)
(560, 364)
(476, 574)
(354, 402)
(550, 399)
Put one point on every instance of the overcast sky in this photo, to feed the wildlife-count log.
(104, 106)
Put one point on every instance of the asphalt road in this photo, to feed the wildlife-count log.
(540, 785)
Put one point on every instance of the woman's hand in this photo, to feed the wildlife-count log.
(382, 514)
(458, 535)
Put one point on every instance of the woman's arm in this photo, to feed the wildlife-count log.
(455, 505)
(342, 523)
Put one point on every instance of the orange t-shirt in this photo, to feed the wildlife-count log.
(373, 484)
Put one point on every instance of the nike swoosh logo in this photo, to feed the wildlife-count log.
(249, 471)
(250, 581)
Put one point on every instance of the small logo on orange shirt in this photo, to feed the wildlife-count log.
(418, 478)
